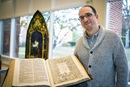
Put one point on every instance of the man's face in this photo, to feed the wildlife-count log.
(87, 18)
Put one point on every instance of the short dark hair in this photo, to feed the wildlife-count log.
(93, 9)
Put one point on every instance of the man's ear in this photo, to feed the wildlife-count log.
(97, 16)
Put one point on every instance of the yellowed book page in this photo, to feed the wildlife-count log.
(66, 71)
(29, 72)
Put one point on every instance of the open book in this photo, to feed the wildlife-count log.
(64, 71)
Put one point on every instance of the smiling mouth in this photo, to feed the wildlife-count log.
(87, 23)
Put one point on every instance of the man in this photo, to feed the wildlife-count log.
(101, 52)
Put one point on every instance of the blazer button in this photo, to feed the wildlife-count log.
(91, 52)
(89, 66)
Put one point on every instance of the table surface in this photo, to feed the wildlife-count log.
(7, 81)
(2, 76)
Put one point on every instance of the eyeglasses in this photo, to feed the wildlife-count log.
(87, 15)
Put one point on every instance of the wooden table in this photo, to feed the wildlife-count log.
(9, 76)
(2, 76)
